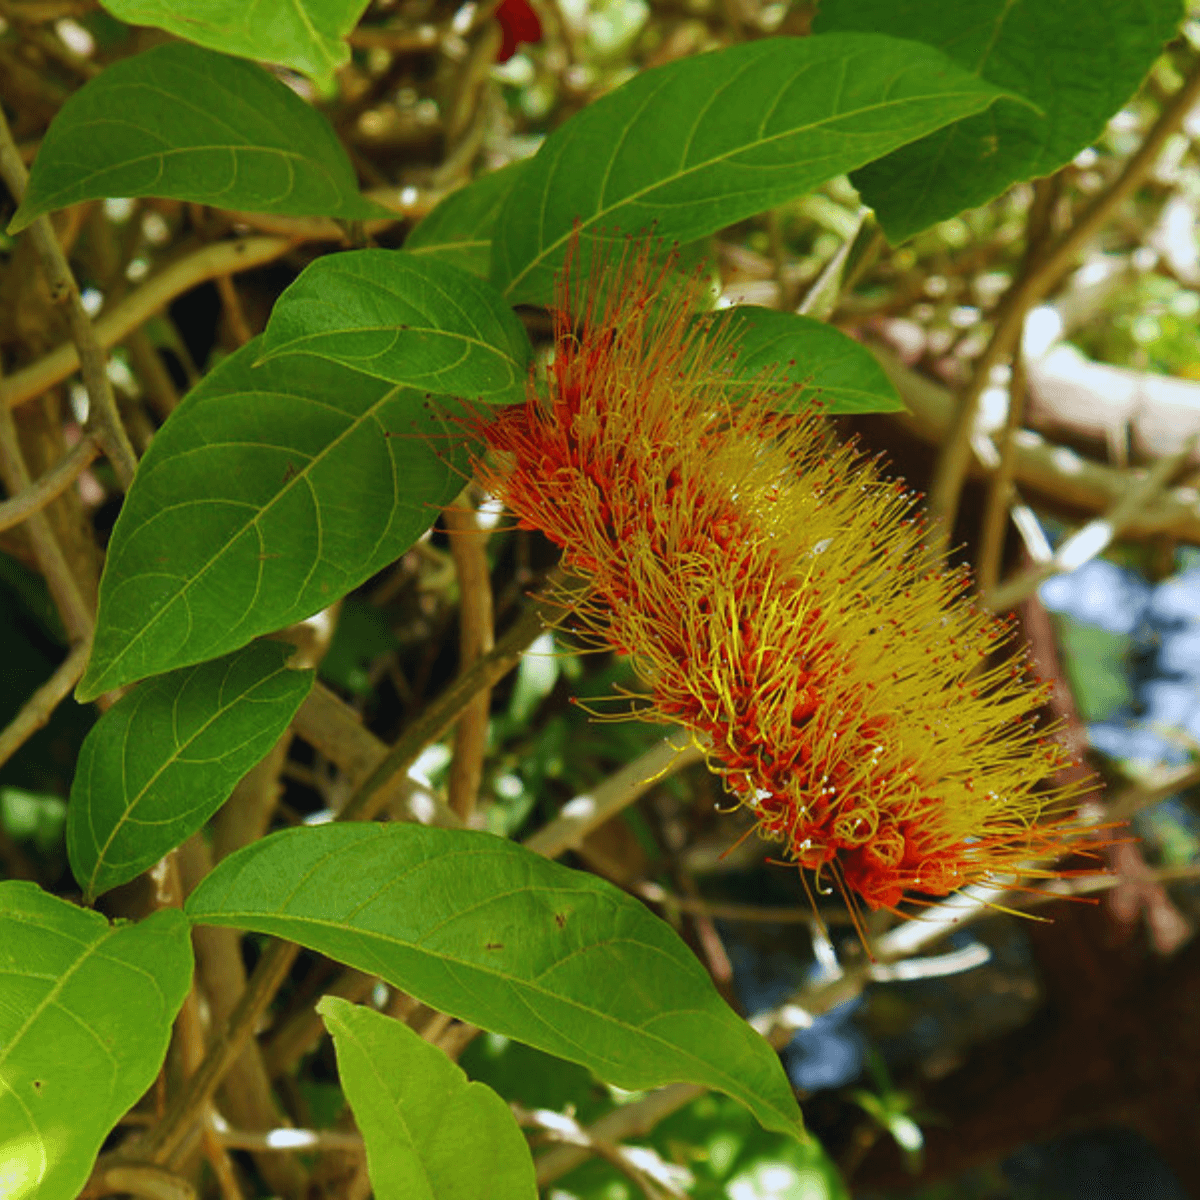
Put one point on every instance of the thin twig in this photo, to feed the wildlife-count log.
(723, 910)
(439, 716)
(1051, 470)
(36, 711)
(146, 1181)
(1027, 289)
(332, 727)
(219, 258)
(74, 610)
(289, 1141)
(590, 810)
(296, 1036)
(1131, 801)
(1094, 537)
(468, 545)
(234, 313)
(163, 1143)
(103, 419)
(630, 1120)
(1000, 486)
(50, 485)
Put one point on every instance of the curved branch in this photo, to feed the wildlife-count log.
(53, 483)
(220, 258)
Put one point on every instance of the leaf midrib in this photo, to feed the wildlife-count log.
(300, 476)
(52, 995)
(640, 193)
(246, 920)
(119, 824)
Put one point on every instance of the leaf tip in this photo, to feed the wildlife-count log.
(20, 219)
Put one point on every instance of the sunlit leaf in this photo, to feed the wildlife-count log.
(165, 757)
(687, 148)
(85, 1017)
(189, 124)
(306, 35)
(430, 1133)
(494, 934)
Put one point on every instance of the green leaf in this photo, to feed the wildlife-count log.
(806, 360)
(409, 320)
(729, 1157)
(166, 756)
(186, 123)
(695, 145)
(430, 1133)
(85, 1016)
(306, 35)
(496, 935)
(269, 493)
(1075, 61)
(459, 229)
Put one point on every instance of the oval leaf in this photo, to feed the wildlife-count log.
(808, 361)
(459, 229)
(409, 320)
(164, 758)
(1075, 61)
(496, 935)
(269, 493)
(693, 146)
(85, 1017)
(430, 1133)
(189, 124)
(306, 35)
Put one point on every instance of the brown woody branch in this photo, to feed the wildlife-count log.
(1041, 273)
(468, 544)
(104, 422)
(47, 487)
(221, 258)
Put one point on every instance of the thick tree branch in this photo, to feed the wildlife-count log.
(1041, 274)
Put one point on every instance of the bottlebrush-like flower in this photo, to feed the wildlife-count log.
(774, 595)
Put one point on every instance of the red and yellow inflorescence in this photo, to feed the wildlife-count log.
(774, 595)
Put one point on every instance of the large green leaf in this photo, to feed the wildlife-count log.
(85, 1017)
(430, 1133)
(1077, 61)
(687, 148)
(496, 935)
(414, 321)
(459, 229)
(805, 361)
(306, 35)
(166, 756)
(183, 122)
(269, 493)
